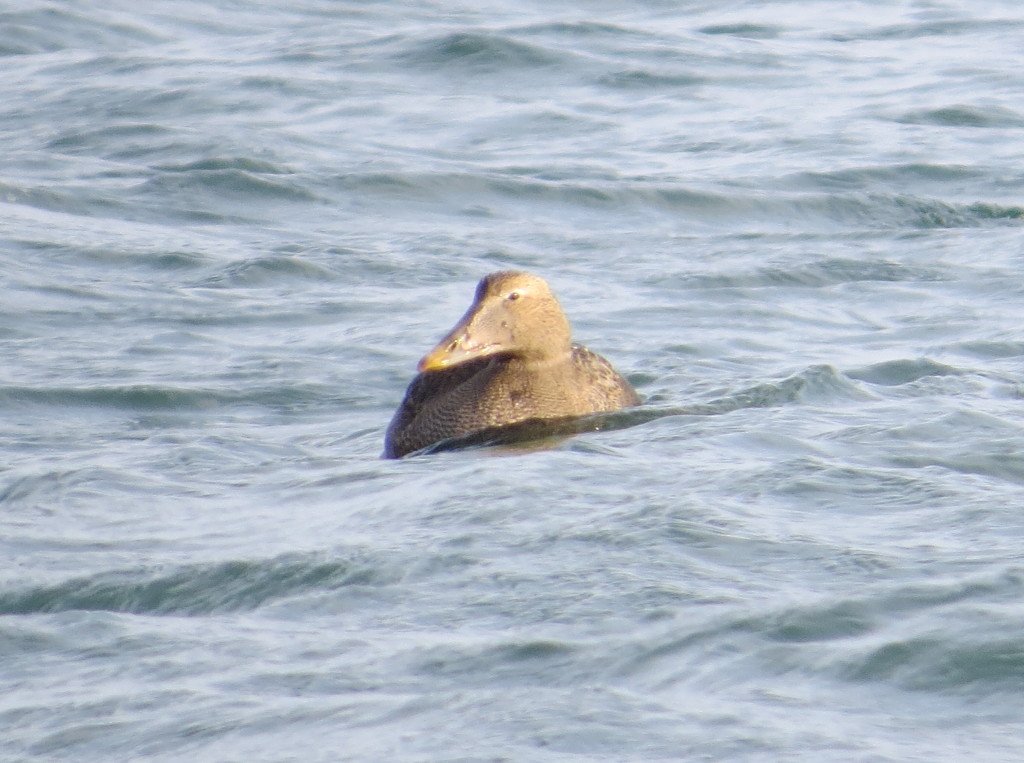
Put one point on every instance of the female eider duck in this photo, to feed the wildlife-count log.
(510, 359)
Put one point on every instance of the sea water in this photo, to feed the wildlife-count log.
(229, 230)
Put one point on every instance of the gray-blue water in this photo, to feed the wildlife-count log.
(229, 230)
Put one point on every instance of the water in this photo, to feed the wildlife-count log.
(230, 230)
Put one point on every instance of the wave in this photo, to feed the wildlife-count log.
(153, 397)
(861, 210)
(200, 589)
(479, 52)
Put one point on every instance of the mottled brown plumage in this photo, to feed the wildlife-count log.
(510, 359)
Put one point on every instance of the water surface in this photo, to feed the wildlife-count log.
(229, 232)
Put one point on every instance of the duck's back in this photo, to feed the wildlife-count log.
(605, 388)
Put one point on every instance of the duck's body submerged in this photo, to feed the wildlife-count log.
(510, 359)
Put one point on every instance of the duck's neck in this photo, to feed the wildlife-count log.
(540, 361)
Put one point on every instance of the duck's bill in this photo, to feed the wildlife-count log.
(455, 349)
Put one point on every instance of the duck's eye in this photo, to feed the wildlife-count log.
(513, 296)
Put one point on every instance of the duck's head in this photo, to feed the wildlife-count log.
(513, 314)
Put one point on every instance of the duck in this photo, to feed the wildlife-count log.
(510, 359)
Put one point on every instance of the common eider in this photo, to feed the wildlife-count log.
(510, 359)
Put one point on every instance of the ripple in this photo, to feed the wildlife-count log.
(892, 373)
(945, 28)
(215, 163)
(195, 590)
(478, 52)
(270, 271)
(874, 211)
(963, 116)
(230, 183)
(52, 28)
(642, 79)
(152, 397)
(753, 31)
